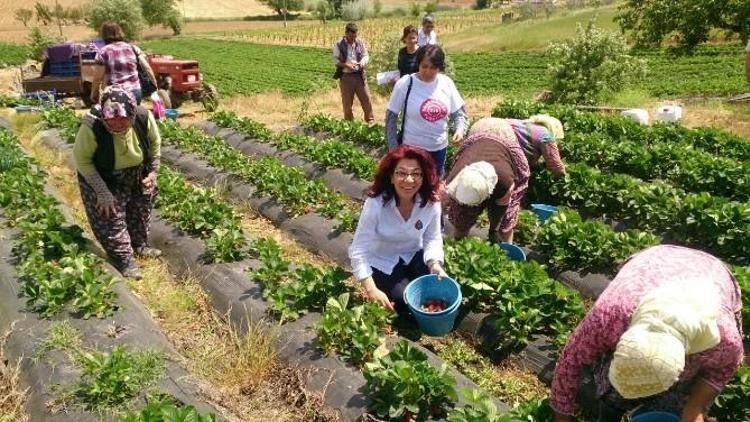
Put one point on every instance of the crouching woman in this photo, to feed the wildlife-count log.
(398, 237)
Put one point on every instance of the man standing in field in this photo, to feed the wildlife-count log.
(747, 61)
(351, 58)
(427, 35)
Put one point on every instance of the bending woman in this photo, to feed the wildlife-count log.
(117, 152)
(666, 334)
(398, 236)
(538, 136)
(489, 171)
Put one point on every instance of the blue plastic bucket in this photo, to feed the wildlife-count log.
(543, 211)
(428, 287)
(171, 113)
(655, 417)
(515, 253)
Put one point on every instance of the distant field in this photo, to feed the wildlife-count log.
(11, 54)
(243, 68)
(527, 35)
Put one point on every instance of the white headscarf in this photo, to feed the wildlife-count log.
(473, 184)
(669, 323)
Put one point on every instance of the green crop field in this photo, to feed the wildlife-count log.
(12, 54)
(243, 68)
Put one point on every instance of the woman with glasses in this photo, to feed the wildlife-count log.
(398, 237)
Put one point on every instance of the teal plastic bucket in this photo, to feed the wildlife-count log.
(428, 287)
(543, 211)
(171, 113)
(655, 417)
(514, 252)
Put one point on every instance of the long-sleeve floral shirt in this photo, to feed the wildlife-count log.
(599, 332)
(537, 141)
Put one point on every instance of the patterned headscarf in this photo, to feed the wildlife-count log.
(669, 323)
(114, 102)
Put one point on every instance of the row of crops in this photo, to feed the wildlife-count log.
(60, 277)
(244, 68)
(376, 30)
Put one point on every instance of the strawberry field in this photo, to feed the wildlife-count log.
(243, 68)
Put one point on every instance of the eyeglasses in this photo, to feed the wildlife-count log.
(402, 175)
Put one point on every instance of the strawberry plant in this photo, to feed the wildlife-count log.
(573, 243)
(521, 296)
(305, 289)
(742, 275)
(403, 385)
(114, 379)
(354, 132)
(54, 267)
(203, 213)
(732, 403)
(354, 333)
(479, 408)
(164, 408)
(289, 186)
(64, 119)
(293, 293)
(328, 153)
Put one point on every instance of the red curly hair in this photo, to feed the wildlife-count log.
(430, 189)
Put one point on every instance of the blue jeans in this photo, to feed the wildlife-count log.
(439, 158)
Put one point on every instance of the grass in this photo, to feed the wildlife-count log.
(61, 336)
(12, 394)
(508, 383)
(531, 34)
(12, 54)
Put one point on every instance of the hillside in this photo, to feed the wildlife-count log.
(192, 9)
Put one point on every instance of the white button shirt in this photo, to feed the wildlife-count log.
(383, 237)
(424, 39)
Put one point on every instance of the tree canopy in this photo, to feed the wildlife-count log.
(687, 22)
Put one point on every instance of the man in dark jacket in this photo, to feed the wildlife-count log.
(350, 57)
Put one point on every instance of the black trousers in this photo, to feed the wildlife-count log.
(395, 283)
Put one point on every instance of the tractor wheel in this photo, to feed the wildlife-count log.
(164, 97)
(176, 99)
(210, 98)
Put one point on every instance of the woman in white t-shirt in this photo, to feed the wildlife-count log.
(426, 100)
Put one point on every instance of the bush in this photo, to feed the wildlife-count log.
(127, 13)
(355, 10)
(162, 12)
(591, 66)
(383, 57)
(415, 9)
(38, 41)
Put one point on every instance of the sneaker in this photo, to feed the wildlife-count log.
(148, 252)
(132, 272)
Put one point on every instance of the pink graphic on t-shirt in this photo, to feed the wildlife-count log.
(433, 110)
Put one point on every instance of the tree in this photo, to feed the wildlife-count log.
(281, 7)
(688, 22)
(162, 12)
(24, 16)
(593, 64)
(127, 13)
(43, 13)
(324, 11)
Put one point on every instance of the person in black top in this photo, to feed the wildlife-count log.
(407, 56)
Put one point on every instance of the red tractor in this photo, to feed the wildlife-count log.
(70, 70)
(179, 80)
